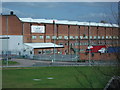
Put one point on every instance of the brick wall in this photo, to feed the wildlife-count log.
(14, 25)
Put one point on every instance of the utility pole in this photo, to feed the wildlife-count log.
(7, 39)
(54, 28)
(89, 44)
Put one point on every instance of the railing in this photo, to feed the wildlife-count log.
(57, 57)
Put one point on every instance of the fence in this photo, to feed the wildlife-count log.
(47, 57)
(57, 57)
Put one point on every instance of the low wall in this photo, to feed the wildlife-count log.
(98, 56)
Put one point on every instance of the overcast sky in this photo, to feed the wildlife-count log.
(79, 11)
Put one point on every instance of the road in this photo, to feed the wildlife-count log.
(38, 63)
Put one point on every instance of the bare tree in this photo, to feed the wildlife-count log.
(112, 70)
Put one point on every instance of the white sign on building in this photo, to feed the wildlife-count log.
(37, 29)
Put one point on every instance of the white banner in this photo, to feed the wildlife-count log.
(37, 29)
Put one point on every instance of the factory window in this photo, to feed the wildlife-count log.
(98, 37)
(76, 44)
(60, 37)
(90, 37)
(34, 37)
(113, 37)
(117, 37)
(81, 37)
(76, 37)
(86, 37)
(106, 37)
(65, 37)
(71, 37)
(54, 37)
(110, 37)
(95, 37)
(102, 37)
(86, 43)
(47, 37)
(41, 37)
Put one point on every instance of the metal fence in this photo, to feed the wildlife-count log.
(45, 57)
(57, 57)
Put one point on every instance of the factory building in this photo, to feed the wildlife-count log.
(28, 36)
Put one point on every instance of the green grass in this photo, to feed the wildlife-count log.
(4, 62)
(64, 77)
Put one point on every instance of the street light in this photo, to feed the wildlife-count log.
(89, 44)
(7, 39)
(54, 28)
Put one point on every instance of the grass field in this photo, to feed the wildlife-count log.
(56, 77)
(4, 62)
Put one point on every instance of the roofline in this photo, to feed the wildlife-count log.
(73, 24)
(63, 23)
(12, 15)
(70, 23)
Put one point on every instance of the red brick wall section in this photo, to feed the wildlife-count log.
(98, 56)
(14, 25)
(62, 30)
(3, 26)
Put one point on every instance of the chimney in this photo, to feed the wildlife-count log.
(11, 12)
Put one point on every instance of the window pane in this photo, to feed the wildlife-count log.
(65, 37)
(41, 37)
(76, 37)
(95, 37)
(81, 37)
(54, 37)
(71, 37)
(106, 37)
(90, 37)
(47, 37)
(33, 37)
(98, 37)
(60, 37)
(102, 37)
(86, 37)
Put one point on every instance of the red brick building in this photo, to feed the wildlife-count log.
(70, 37)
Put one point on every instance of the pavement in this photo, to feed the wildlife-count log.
(38, 63)
(22, 63)
(33, 63)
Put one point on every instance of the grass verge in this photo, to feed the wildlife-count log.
(56, 77)
(4, 62)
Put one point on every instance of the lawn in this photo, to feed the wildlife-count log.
(56, 77)
(4, 62)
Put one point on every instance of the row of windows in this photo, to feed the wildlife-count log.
(92, 43)
(76, 37)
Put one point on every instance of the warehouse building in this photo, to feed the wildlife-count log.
(30, 37)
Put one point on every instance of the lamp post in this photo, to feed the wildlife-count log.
(89, 44)
(7, 39)
(54, 28)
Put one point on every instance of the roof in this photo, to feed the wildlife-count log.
(43, 45)
(66, 22)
